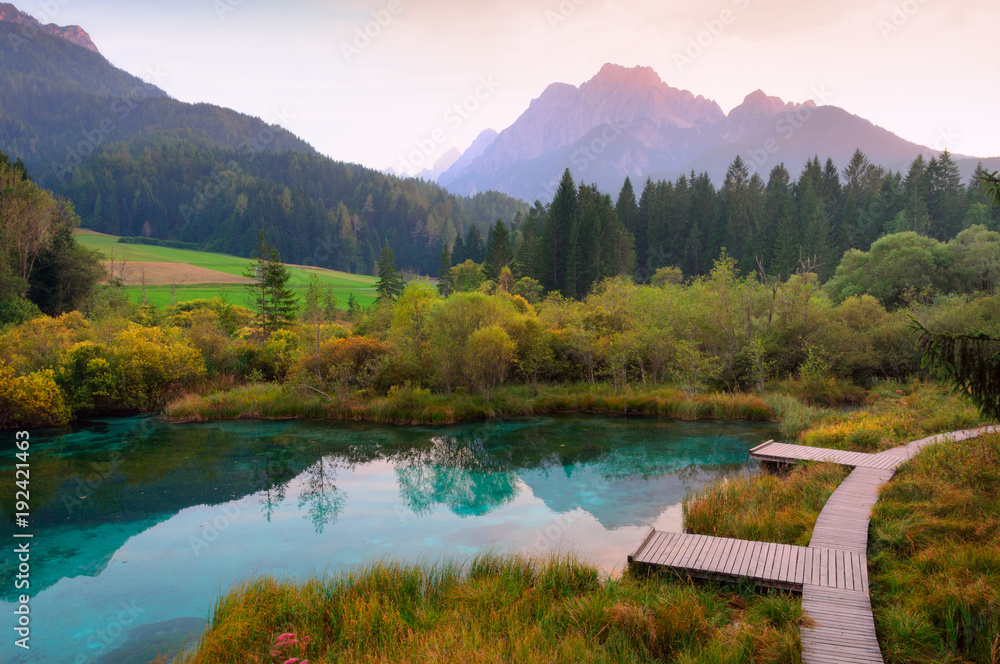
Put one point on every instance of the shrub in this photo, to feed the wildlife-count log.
(16, 310)
(38, 344)
(347, 362)
(278, 354)
(87, 377)
(488, 356)
(149, 365)
(31, 400)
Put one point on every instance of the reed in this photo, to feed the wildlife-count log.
(764, 508)
(934, 556)
(414, 405)
(497, 609)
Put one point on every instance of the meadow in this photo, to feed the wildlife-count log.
(164, 291)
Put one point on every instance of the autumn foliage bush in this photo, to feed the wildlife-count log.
(348, 362)
(31, 400)
(150, 365)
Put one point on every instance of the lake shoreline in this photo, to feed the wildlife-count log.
(415, 406)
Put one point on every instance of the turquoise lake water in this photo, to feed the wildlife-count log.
(139, 525)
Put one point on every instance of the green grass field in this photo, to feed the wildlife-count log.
(363, 287)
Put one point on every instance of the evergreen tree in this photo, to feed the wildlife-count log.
(269, 277)
(734, 200)
(525, 260)
(779, 208)
(915, 190)
(626, 207)
(553, 248)
(759, 227)
(861, 192)
(499, 251)
(832, 195)
(704, 217)
(678, 212)
(589, 267)
(475, 248)
(946, 198)
(645, 253)
(458, 252)
(390, 283)
(444, 274)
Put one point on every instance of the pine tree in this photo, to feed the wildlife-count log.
(915, 191)
(284, 304)
(736, 210)
(626, 207)
(779, 208)
(644, 215)
(555, 234)
(704, 216)
(458, 252)
(589, 260)
(499, 251)
(269, 288)
(475, 247)
(947, 200)
(813, 217)
(390, 283)
(525, 260)
(444, 274)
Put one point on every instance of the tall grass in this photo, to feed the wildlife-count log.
(500, 609)
(893, 415)
(411, 405)
(764, 508)
(934, 556)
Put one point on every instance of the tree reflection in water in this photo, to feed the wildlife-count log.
(463, 475)
(324, 499)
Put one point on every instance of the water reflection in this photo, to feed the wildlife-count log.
(167, 517)
(323, 499)
(463, 475)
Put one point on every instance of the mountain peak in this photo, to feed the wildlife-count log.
(616, 76)
(759, 102)
(71, 33)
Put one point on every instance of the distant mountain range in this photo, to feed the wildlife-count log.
(134, 161)
(628, 122)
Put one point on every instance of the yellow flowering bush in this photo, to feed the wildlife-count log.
(149, 364)
(37, 344)
(31, 400)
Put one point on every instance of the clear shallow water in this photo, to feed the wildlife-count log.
(139, 525)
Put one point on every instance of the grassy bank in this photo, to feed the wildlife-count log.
(934, 555)
(765, 508)
(498, 609)
(417, 406)
(934, 543)
(784, 509)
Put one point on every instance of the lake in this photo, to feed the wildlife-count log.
(139, 524)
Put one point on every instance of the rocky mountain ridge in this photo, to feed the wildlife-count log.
(71, 33)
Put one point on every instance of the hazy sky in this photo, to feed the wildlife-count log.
(924, 69)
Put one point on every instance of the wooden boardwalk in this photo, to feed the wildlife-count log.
(766, 564)
(785, 453)
(831, 573)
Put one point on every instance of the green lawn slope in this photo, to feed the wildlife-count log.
(344, 284)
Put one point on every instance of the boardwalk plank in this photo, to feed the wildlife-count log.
(737, 557)
(720, 564)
